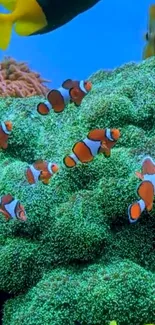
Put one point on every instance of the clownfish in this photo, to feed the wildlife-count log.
(149, 49)
(41, 170)
(97, 141)
(145, 190)
(70, 92)
(5, 131)
(12, 208)
(32, 17)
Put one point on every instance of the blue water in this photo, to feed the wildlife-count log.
(104, 37)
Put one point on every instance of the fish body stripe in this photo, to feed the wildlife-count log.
(49, 106)
(108, 134)
(82, 87)
(65, 94)
(93, 146)
(11, 208)
(36, 173)
(49, 167)
(142, 207)
(74, 157)
(4, 128)
(151, 179)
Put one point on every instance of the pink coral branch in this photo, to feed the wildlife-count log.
(17, 80)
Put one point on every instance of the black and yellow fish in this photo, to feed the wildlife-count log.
(32, 17)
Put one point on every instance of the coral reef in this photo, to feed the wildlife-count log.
(77, 260)
(17, 80)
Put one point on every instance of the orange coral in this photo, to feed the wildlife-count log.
(17, 80)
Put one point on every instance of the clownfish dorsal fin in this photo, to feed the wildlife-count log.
(68, 84)
(6, 199)
(39, 164)
(148, 166)
(96, 135)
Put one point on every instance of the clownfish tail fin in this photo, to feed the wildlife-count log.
(135, 210)
(69, 161)
(44, 108)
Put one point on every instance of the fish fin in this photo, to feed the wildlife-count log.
(5, 214)
(26, 28)
(146, 192)
(139, 175)
(68, 84)
(30, 17)
(148, 166)
(5, 30)
(134, 212)
(45, 181)
(4, 145)
(56, 100)
(107, 152)
(39, 164)
(96, 135)
(6, 199)
(148, 51)
(149, 207)
(69, 162)
(8, 4)
(104, 146)
(43, 109)
(77, 102)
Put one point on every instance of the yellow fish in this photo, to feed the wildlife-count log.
(27, 16)
(113, 322)
(32, 17)
(149, 49)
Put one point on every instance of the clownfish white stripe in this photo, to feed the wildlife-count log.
(11, 208)
(35, 173)
(108, 134)
(49, 167)
(65, 94)
(93, 146)
(142, 207)
(82, 87)
(74, 157)
(151, 179)
(49, 106)
(4, 128)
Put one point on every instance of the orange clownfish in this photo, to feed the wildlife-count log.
(145, 190)
(5, 131)
(97, 141)
(149, 49)
(70, 92)
(41, 170)
(12, 208)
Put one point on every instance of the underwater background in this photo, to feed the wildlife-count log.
(77, 259)
(107, 35)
